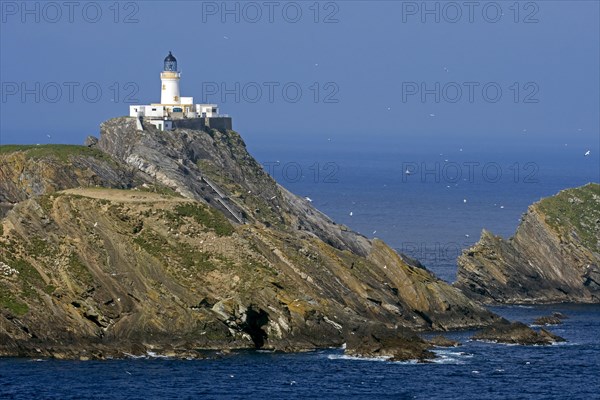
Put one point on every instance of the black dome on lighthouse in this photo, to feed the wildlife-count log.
(170, 63)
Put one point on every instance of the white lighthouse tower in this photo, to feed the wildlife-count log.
(175, 111)
(170, 82)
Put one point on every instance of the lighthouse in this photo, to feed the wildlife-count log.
(175, 111)
(169, 79)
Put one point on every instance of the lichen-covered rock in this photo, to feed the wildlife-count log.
(553, 257)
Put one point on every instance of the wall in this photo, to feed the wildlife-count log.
(220, 123)
(189, 123)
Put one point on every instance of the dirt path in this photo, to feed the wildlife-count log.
(124, 196)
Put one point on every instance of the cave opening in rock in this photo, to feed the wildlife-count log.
(255, 320)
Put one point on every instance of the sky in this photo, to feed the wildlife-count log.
(300, 71)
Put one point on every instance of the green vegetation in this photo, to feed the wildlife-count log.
(8, 301)
(38, 247)
(185, 254)
(209, 218)
(79, 270)
(151, 243)
(27, 272)
(160, 189)
(217, 174)
(46, 203)
(206, 166)
(575, 210)
(28, 276)
(49, 289)
(193, 259)
(8, 247)
(139, 225)
(60, 152)
(263, 211)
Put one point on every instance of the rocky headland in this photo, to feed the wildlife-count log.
(174, 242)
(553, 257)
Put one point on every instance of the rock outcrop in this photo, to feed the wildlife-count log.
(214, 167)
(553, 257)
(516, 333)
(547, 320)
(442, 341)
(375, 341)
(167, 242)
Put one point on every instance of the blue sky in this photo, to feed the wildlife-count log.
(362, 58)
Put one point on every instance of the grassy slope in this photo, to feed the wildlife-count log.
(575, 211)
(61, 152)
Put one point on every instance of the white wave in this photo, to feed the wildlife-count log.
(496, 342)
(447, 360)
(149, 354)
(128, 355)
(450, 357)
(155, 355)
(453, 353)
(346, 357)
(379, 359)
(564, 344)
(411, 362)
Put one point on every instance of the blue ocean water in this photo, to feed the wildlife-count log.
(475, 370)
(453, 188)
(425, 214)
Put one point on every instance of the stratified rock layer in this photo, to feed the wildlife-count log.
(203, 250)
(553, 257)
(31, 171)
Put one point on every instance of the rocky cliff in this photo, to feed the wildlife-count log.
(177, 241)
(553, 257)
(30, 171)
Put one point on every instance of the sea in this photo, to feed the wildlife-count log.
(427, 198)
